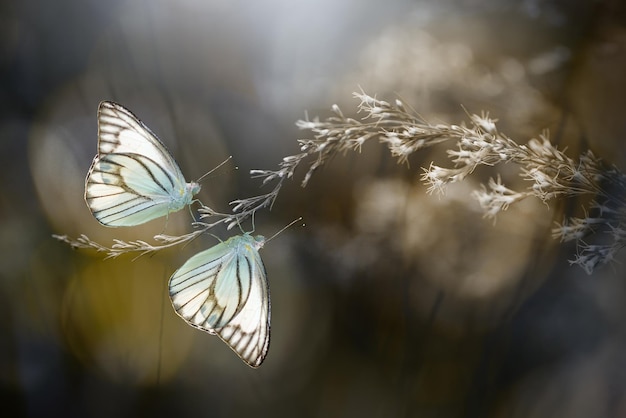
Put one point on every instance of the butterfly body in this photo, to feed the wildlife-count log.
(133, 178)
(224, 291)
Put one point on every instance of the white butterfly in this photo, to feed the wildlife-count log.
(224, 291)
(133, 178)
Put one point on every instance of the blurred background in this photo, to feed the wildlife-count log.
(390, 302)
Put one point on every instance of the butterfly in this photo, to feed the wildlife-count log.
(224, 291)
(133, 178)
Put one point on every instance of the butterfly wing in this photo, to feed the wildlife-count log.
(248, 334)
(121, 132)
(133, 179)
(224, 291)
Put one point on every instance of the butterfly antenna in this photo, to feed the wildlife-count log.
(230, 157)
(285, 227)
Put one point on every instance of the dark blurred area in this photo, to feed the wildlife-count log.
(390, 302)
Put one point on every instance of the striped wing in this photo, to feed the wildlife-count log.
(224, 291)
(133, 179)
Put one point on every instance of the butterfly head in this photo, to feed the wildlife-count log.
(257, 241)
(193, 188)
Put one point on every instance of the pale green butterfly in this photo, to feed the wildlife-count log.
(224, 291)
(133, 178)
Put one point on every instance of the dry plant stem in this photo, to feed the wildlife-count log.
(550, 172)
(142, 247)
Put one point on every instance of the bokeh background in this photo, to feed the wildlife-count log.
(390, 302)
